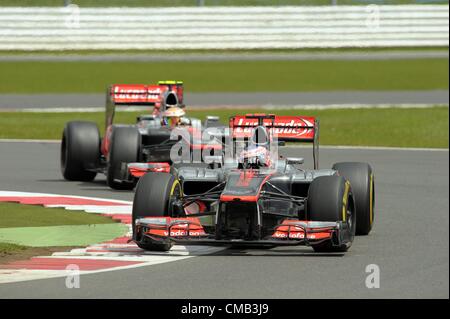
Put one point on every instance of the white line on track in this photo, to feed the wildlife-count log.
(17, 275)
(351, 106)
(343, 147)
(371, 148)
(18, 140)
(27, 194)
(108, 251)
(238, 107)
(73, 109)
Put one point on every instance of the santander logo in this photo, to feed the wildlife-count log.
(136, 92)
(297, 127)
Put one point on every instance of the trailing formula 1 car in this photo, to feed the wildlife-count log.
(253, 199)
(147, 143)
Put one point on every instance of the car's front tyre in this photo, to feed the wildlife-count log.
(151, 199)
(330, 199)
(362, 181)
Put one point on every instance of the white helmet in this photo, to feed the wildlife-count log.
(174, 112)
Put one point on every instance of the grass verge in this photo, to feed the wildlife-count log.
(29, 230)
(18, 215)
(228, 76)
(370, 127)
(7, 248)
(12, 252)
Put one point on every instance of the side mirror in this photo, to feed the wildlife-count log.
(295, 160)
(212, 121)
(215, 133)
(146, 118)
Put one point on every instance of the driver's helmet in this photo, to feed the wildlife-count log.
(257, 154)
(167, 100)
(255, 157)
(174, 115)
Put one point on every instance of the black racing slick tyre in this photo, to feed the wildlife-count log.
(151, 199)
(125, 145)
(80, 151)
(330, 199)
(361, 178)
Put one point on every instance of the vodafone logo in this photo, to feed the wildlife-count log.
(293, 235)
(179, 233)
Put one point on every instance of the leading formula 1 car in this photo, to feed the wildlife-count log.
(147, 143)
(256, 200)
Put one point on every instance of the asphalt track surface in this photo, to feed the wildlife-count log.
(252, 99)
(251, 56)
(409, 241)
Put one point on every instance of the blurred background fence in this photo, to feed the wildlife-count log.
(222, 27)
(172, 3)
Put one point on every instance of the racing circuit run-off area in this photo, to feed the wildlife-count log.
(224, 158)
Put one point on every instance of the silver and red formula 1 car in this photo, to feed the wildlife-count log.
(253, 199)
(145, 144)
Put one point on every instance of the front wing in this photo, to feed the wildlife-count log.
(189, 231)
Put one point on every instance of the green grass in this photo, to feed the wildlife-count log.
(374, 127)
(17, 215)
(232, 76)
(36, 226)
(168, 3)
(371, 127)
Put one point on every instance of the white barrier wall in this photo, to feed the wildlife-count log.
(223, 27)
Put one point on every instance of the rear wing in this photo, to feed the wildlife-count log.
(140, 95)
(303, 129)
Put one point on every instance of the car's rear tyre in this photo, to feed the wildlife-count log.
(124, 148)
(362, 181)
(330, 199)
(151, 199)
(80, 151)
